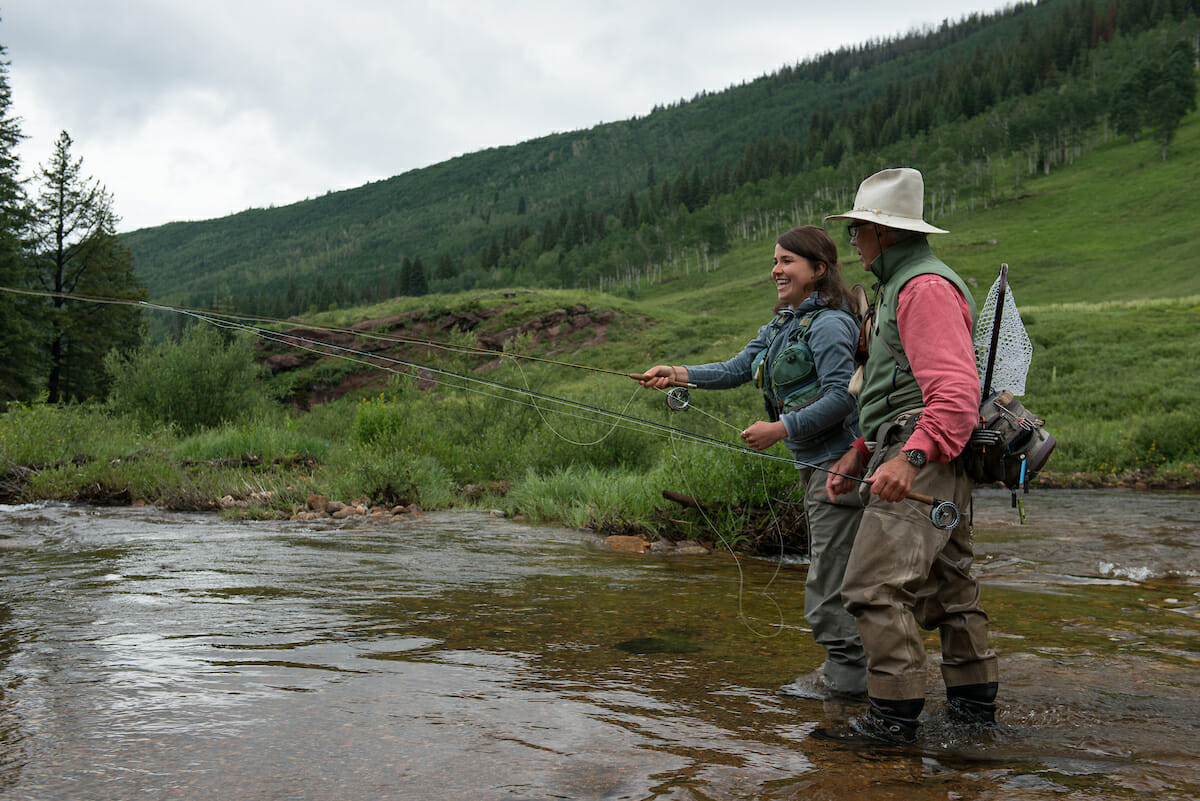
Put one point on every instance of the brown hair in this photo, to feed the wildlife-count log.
(814, 244)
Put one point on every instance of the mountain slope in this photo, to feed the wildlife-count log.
(360, 236)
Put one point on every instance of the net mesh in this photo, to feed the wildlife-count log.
(1014, 350)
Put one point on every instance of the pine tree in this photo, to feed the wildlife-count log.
(418, 284)
(19, 357)
(74, 251)
(445, 267)
(403, 285)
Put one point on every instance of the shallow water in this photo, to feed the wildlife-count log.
(456, 656)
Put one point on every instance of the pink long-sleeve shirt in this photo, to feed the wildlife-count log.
(935, 327)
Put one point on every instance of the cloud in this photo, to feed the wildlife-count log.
(198, 110)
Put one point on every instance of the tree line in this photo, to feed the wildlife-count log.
(58, 240)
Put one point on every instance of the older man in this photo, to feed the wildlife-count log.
(917, 407)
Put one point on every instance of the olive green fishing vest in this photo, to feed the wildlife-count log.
(888, 383)
(788, 379)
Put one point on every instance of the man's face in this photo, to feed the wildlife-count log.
(864, 237)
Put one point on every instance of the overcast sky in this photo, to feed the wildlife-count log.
(189, 110)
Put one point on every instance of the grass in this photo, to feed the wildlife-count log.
(1102, 266)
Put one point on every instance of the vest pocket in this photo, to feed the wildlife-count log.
(794, 378)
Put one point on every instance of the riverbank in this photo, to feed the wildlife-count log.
(281, 489)
(1186, 477)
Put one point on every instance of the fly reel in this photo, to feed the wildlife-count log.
(944, 515)
(678, 399)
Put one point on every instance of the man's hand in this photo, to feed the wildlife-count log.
(894, 479)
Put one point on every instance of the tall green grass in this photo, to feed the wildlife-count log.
(1102, 266)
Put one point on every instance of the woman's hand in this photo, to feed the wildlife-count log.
(662, 376)
(851, 464)
(762, 435)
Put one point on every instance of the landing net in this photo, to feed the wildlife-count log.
(1014, 350)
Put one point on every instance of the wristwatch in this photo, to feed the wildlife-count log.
(915, 457)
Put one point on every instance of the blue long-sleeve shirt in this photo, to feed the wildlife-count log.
(823, 429)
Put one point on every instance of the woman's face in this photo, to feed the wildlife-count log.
(795, 276)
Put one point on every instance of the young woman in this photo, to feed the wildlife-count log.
(802, 362)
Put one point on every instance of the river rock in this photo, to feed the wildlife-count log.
(625, 542)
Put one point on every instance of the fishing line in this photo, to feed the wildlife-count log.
(563, 436)
(776, 525)
(779, 625)
(944, 514)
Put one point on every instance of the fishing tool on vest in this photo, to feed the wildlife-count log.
(1010, 444)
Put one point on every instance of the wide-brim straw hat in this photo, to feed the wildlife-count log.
(894, 198)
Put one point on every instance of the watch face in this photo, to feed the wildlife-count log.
(916, 457)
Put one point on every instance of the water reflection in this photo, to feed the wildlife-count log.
(457, 656)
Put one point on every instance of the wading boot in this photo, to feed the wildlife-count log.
(884, 723)
(816, 686)
(972, 704)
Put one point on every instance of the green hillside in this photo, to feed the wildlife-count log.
(979, 105)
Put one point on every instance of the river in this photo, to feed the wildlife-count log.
(148, 654)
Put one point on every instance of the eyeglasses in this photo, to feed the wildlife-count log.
(852, 229)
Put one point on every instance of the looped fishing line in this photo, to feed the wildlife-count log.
(779, 626)
(550, 425)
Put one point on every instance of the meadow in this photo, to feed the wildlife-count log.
(1103, 266)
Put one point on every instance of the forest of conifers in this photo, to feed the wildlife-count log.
(978, 105)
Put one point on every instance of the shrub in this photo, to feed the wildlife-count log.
(580, 495)
(1162, 438)
(391, 477)
(40, 434)
(202, 381)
